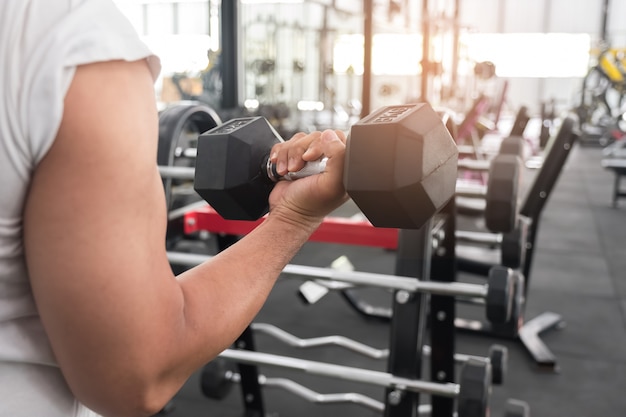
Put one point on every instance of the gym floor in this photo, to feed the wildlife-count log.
(579, 272)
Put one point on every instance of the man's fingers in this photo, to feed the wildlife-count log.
(288, 156)
(291, 155)
(329, 143)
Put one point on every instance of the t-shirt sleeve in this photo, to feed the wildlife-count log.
(91, 31)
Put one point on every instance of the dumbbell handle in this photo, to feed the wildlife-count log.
(310, 168)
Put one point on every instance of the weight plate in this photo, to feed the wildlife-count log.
(216, 378)
(179, 127)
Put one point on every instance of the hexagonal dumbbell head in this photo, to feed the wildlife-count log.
(512, 248)
(512, 145)
(501, 207)
(401, 165)
(475, 389)
(230, 167)
(501, 289)
(499, 359)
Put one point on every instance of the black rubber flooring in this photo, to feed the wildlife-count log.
(579, 272)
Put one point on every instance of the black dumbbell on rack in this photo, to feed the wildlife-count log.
(472, 393)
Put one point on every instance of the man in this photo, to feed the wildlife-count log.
(92, 320)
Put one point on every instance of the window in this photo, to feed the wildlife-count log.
(534, 55)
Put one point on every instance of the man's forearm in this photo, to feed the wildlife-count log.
(223, 295)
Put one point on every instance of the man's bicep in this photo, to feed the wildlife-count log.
(95, 215)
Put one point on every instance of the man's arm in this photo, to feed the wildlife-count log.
(126, 332)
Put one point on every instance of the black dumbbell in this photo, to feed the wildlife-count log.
(500, 193)
(500, 300)
(501, 210)
(475, 389)
(400, 167)
(473, 392)
(512, 326)
(513, 244)
(512, 145)
(219, 376)
(499, 359)
(500, 294)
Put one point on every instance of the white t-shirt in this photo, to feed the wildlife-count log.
(41, 43)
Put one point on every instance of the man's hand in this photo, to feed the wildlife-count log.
(309, 199)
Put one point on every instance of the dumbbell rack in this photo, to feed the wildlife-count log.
(443, 310)
(409, 319)
(408, 323)
(530, 214)
(406, 333)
